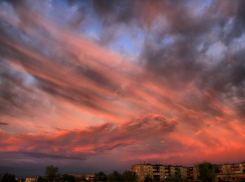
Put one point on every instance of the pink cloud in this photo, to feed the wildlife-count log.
(66, 96)
(198, 132)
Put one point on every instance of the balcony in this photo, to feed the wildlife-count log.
(235, 169)
(156, 174)
(234, 166)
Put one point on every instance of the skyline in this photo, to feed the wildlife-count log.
(86, 85)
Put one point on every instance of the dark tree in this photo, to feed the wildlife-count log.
(52, 173)
(101, 176)
(148, 178)
(40, 179)
(115, 176)
(206, 171)
(216, 169)
(67, 177)
(176, 177)
(128, 176)
(8, 178)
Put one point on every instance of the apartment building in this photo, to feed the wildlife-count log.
(158, 172)
(182, 170)
(232, 171)
(143, 170)
(31, 179)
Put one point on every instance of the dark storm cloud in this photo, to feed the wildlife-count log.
(15, 40)
(3, 124)
(115, 11)
(14, 92)
(180, 61)
(26, 154)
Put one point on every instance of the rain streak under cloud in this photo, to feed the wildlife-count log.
(101, 85)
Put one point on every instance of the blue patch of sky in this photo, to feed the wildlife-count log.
(58, 5)
(199, 6)
(93, 30)
(168, 39)
(200, 47)
(28, 79)
(128, 43)
(63, 11)
(229, 25)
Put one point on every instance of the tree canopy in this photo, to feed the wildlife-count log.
(8, 178)
(101, 176)
(52, 173)
(67, 177)
(128, 176)
(40, 179)
(176, 177)
(115, 176)
(148, 178)
(206, 171)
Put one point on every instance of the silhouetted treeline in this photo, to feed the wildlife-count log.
(101, 176)
(8, 178)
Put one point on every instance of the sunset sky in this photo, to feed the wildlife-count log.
(91, 86)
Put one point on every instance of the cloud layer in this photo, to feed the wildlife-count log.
(159, 81)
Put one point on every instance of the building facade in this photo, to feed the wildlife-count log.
(159, 172)
(231, 171)
(31, 179)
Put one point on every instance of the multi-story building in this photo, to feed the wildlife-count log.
(159, 172)
(231, 171)
(31, 179)
(168, 171)
(195, 173)
(190, 175)
(181, 170)
(142, 171)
